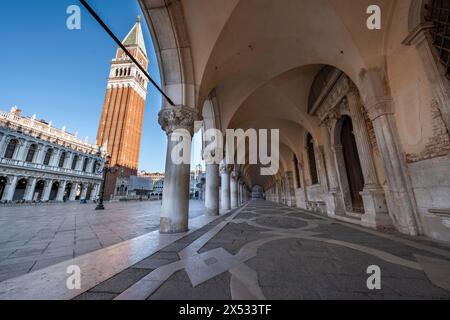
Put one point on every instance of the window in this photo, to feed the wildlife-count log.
(74, 162)
(12, 145)
(86, 161)
(48, 156)
(312, 160)
(297, 172)
(438, 13)
(31, 153)
(62, 159)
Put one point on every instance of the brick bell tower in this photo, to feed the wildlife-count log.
(120, 126)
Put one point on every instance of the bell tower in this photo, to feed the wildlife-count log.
(120, 127)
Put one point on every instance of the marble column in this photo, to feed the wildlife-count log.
(401, 204)
(20, 150)
(73, 191)
(225, 188)
(375, 207)
(178, 123)
(212, 189)
(54, 160)
(2, 143)
(234, 189)
(334, 200)
(338, 153)
(61, 189)
(29, 191)
(290, 194)
(84, 191)
(47, 189)
(94, 192)
(10, 187)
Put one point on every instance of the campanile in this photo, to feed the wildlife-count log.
(120, 126)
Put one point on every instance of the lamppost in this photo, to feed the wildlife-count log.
(104, 171)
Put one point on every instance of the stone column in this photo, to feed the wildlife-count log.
(2, 143)
(401, 204)
(80, 163)
(47, 190)
(20, 150)
(212, 189)
(234, 189)
(90, 166)
(96, 191)
(61, 189)
(338, 153)
(54, 160)
(68, 161)
(400, 200)
(376, 213)
(10, 187)
(225, 189)
(29, 191)
(40, 154)
(73, 191)
(178, 123)
(290, 189)
(334, 201)
(84, 191)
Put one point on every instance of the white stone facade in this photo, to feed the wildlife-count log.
(40, 163)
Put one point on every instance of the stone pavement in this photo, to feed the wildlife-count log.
(261, 251)
(34, 237)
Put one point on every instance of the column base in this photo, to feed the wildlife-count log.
(212, 212)
(167, 226)
(376, 213)
(334, 203)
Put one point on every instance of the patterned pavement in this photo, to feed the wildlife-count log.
(267, 251)
(35, 237)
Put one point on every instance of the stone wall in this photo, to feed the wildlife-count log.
(431, 184)
(438, 144)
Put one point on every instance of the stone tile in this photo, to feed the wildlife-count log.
(121, 281)
(96, 296)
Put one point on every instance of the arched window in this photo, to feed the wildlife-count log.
(12, 145)
(48, 156)
(31, 153)
(129, 71)
(117, 72)
(62, 158)
(312, 159)
(85, 164)
(74, 162)
(438, 13)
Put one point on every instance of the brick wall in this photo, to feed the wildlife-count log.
(438, 144)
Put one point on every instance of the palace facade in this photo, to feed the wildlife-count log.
(40, 163)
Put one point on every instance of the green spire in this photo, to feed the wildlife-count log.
(135, 37)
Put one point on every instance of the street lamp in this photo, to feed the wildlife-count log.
(104, 171)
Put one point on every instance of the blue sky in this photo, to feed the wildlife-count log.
(61, 75)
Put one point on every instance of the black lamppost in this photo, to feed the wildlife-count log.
(106, 169)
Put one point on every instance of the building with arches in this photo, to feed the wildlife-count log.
(40, 163)
(364, 115)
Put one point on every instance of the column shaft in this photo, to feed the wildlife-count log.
(212, 189)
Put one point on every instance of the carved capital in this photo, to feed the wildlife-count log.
(235, 174)
(173, 118)
(224, 168)
(379, 107)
